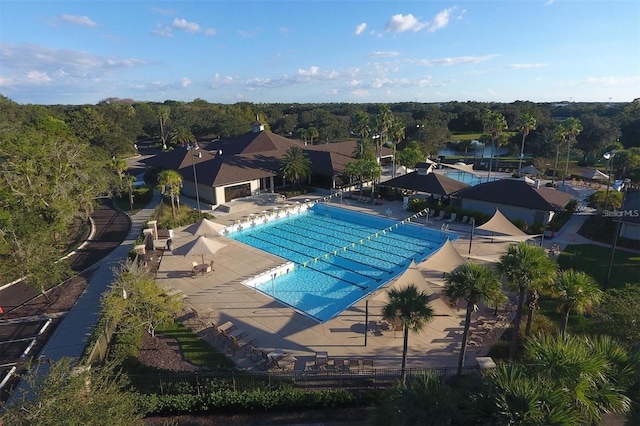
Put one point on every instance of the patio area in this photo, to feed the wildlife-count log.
(220, 297)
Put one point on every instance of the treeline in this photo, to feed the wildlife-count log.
(113, 125)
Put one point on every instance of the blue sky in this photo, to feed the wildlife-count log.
(276, 51)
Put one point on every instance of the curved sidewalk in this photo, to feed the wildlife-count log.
(71, 336)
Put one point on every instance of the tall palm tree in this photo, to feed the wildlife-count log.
(397, 132)
(525, 267)
(119, 166)
(527, 124)
(493, 123)
(295, 165)
(411, 308)
(360, 123)
(558, 138)
(163, 116)
(572, 128)
(574, 291)
(475, 284)
(171, 181)
(383, 122)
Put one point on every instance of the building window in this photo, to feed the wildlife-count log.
(237, 191)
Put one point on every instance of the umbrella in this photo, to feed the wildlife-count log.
(595, 174)
(199, 246)
(530, 170)
(205, 227)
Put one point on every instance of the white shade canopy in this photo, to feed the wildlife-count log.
(205, 227)
(200, 246)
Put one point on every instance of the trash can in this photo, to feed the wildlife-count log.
(170, 233)
(169, 244)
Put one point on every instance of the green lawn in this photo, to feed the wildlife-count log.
(465, 136)
(594, 260)
(195, 350)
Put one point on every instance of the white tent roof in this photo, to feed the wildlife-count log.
(500, 224)
(205, 227)
(411, 276)
(530, 170)
(595, 174)
(446, 259)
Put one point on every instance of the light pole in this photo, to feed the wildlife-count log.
(625, 184)
(195, 147)
(473, 226)
(609, 157)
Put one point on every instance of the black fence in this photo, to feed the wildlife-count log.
(167, 383)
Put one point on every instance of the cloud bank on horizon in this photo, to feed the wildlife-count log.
(73, 52)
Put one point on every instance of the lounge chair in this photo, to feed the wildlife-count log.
(440, 216)
(464, 219)
(452, 218)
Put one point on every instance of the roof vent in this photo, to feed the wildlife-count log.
(219, 152)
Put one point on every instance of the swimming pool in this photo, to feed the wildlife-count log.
(468, 178)
(340, 255)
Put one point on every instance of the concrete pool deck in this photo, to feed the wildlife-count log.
(220, 297)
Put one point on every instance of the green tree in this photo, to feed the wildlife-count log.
(135, 301)
(295, 165)
(574, 291)
(383, 122)
(313, 134)
(410, 156)
(494, 124)
(181, 136)
(303, 134)
(409, 307)
(618, 314)
(475, 284)
(171, 181)
(572, 128)
(64, 394)
(589, 372)
(526, 268)
(425, 400)
(559, 138)
(360, 125)
(527, 124)
(164, 111)
(465, 145)
(397, 133)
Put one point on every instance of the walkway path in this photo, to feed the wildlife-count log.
(71, 336)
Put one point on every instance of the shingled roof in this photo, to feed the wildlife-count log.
(517, 193)
(432, 183)
(252, 155)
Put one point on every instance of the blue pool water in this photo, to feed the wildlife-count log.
(340, 255)
(468, 178)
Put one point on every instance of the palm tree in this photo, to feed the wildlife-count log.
(295, 165)
(119, 166)
(313, 133)
(494, 123)
(362, 129)
(397, 132)
(383, 122)
(465, 145)
(181, 136)
(527, 124)
(525, 267)
(590, 374)
(558, 138)
(572, 128)
(303, 134)
(577, 291)
(171, 181)
(163, 115)
(475, 284)
(411, 308)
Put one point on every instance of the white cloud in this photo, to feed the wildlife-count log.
(249, 34)
(526, 66)
(284, 30)
(611, 80)
(360, 93)
(360, 28)
(383, 54)
(441, 20)
(312, 71)
(84, 21)
(37, 77)
(162, 31)
(183, 24)
(209, 31)
(185, 82)
(455, 60)
(400, 23)
(165, 12)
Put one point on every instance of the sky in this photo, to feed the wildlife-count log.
(310, 51)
